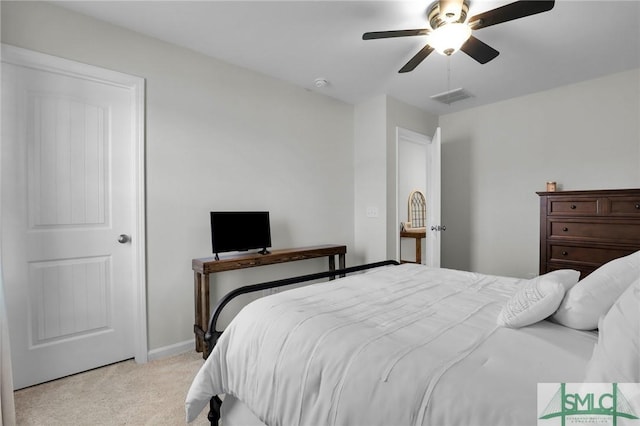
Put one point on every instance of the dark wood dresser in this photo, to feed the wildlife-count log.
(582, 230)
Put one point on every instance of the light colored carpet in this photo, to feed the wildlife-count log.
(125, 393)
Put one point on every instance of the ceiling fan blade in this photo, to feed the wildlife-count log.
(397, 33)
(419, 57)
(478, 50)
(509, 12)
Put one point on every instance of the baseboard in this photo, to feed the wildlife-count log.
(171, 350)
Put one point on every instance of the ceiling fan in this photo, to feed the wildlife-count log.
(450, 31)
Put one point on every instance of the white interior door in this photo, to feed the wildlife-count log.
(434, 225)
(70, 187)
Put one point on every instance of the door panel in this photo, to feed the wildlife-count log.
(67, 161)
(69, 176)
(69, 299)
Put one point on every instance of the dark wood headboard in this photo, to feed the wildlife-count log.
(583, 230)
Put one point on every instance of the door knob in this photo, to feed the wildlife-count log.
(124, 238)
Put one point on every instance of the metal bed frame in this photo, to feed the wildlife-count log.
(212, 335)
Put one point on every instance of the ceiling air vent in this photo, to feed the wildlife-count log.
(452, 96)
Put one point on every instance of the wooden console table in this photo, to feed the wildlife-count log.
(418, 235)
(205, 266)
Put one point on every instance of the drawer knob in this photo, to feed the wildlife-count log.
(638, 206)
(565, 229)
(573, 206)
(564, 253)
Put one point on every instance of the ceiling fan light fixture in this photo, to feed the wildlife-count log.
(449, 38)
(449, 30)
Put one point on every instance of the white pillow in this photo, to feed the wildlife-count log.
(567, 277)
(593, 296)
(616, 357)
(537, 298)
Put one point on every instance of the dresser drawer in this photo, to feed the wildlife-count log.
(625, 206)
(573, 206)
(585, 255)
(594, 231)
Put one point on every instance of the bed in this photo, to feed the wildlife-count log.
(412, 345)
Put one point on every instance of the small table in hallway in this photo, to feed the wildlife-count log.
(418, 234)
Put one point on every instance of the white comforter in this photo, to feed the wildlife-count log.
(373, 349)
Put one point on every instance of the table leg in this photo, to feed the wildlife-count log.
(341, 263)
(418, 250)
(205, 304)
(197, 278)
(332, 265)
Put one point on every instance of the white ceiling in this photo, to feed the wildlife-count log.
(299, 41)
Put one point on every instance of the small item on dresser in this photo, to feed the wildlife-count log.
(551, 187)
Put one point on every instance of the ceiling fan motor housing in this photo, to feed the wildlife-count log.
(446, 12)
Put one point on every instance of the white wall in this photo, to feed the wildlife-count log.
(218, 137)
(495, 158)
(370, 168)
(412, 174)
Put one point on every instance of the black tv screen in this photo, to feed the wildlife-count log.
(240, 231)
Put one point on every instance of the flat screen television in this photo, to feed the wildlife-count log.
(240, 231)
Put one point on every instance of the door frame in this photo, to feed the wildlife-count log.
(136, 86)
(412, 137)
